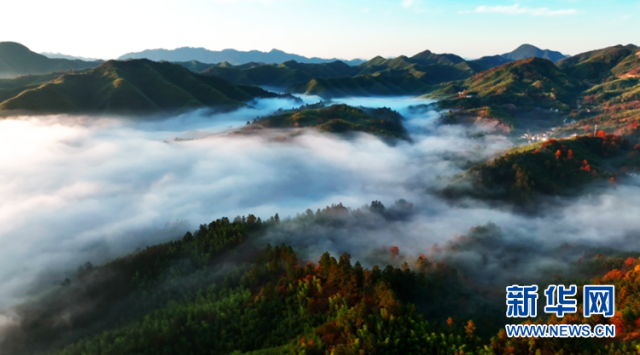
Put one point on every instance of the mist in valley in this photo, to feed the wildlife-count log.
(79, 189)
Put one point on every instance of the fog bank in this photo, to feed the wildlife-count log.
(79, 189)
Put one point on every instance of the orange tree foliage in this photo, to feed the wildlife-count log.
(554, 167)
(334, 307)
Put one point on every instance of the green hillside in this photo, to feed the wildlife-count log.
(129, 87)
(527, 83)
(222, 290)
(612, 100)
(282, 76)
(427, 66)
(596, 65)
(362, 86)
(517, 94)
(194, 65)
(489, 62)
(16, 59)
(338, 118)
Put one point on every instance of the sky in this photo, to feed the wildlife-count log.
(323, 28)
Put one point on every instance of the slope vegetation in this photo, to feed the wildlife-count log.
(555, 167)
(130, 87)
(599, 65)
(282, 76)
(220, 290)
(362, 86)
(337, 119)
(427, 66)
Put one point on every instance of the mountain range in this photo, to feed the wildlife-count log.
(124, 87)
(336, 79)
(16, 59)
(232, 56)
(485, 87)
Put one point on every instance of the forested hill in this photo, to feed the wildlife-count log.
(425, 67)
(551, 168)
(221, 290)
(527, 83)
(283, 76)
(363, 86)
(16, 59)
(132, 87)
(599, 87)
(337, 118)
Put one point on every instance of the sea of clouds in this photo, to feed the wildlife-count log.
(77, 189)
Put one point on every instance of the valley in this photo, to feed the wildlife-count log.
(314, 206)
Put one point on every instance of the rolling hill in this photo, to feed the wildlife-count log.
(363, 86)
(338, 118)
(219, 289)
(129, 87)
(16, 59)
(186, 54)
(525, 51)
(526, 84)
(426, 66)
(528, 51)
(598, 65)
(280, 76)
(489, 62)
(555, 167)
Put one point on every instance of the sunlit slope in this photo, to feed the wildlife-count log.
(16, 59)
(600, 64)
(528, 83)
(363, 86)
(131, 87)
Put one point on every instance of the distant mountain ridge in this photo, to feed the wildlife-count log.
(527, 51)
(66, 56)
(235, 57)
(16, 59)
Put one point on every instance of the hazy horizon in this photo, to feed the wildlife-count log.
(359, 30)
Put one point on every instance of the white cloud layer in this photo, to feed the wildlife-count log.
(516, 9)
(78, 189)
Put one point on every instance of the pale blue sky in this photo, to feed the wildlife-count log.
(325, 28)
